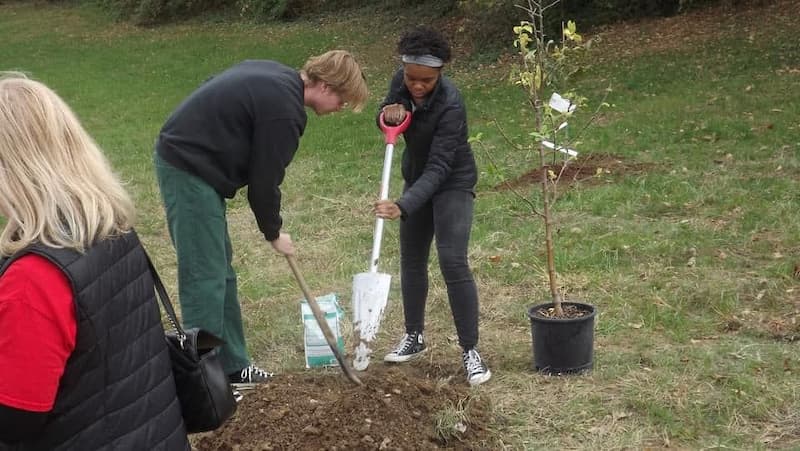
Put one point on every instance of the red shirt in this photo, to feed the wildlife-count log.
(37, 332)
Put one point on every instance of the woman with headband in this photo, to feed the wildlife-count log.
(438, 195)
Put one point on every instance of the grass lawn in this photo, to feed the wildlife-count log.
(688, 245)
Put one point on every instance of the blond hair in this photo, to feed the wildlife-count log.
(56, 186)
(339, 70)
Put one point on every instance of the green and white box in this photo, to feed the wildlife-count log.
(318, 353)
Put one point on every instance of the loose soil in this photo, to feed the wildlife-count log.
(414, 406)
(593, 168)
(570, 311)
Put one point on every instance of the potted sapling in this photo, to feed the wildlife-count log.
(562, 329)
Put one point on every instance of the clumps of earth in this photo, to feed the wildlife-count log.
(413, 406)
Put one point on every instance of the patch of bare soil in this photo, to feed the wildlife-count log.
(592, 168)
(753, 19)
(397, 409)
(570, 311)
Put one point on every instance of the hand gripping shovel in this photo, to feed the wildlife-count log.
(371, 289)
(323, 324)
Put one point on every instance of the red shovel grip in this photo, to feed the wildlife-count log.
(391, 132)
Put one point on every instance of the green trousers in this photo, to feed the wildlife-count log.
(206, 279)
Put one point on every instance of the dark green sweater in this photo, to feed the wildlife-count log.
(241, 127)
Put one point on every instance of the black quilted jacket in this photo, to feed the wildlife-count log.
(117, 391)
(437, 156)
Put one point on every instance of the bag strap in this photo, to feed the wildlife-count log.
(164, 299)
(5, 262)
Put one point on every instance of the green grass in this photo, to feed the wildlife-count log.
(687, 356)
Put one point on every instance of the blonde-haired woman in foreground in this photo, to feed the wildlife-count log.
(83, 361)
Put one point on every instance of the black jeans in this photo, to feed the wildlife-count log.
(448, 218)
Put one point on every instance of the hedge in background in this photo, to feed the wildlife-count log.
(487, 22)
(149, 12)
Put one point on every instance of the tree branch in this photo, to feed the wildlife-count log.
(505, 181)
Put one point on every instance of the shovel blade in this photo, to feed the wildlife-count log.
(370, 295)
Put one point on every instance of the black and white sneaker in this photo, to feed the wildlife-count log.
(249, 377)
(476, 369)
(410, 347)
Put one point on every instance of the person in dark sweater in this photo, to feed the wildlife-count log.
(438, 195)
(83, 360)
(240, 128)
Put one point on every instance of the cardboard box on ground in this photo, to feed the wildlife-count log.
(318, 353)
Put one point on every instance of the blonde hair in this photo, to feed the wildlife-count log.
(339, 70)
(56, 186)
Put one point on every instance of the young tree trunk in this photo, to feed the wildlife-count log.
(548, 235)
(537, 15)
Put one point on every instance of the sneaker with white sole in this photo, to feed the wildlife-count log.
(249, 377)
(410, 347)
(476, 369)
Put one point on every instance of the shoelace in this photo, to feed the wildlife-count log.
(237, 395)
(405, 344)
(473, 362)
(247, 373)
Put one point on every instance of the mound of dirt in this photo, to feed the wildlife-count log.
(586, 169)
(408, 407)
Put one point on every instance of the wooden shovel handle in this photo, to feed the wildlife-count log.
(323, 324)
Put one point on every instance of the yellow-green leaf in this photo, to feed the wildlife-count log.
(571, 26)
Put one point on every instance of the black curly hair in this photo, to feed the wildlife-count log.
(424, 41)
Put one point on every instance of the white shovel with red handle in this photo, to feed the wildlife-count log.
(371, 289)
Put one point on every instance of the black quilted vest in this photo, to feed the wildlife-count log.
(117, 391)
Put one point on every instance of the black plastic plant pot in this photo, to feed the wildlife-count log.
(562, 345)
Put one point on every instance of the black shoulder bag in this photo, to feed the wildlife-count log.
(205, 394)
